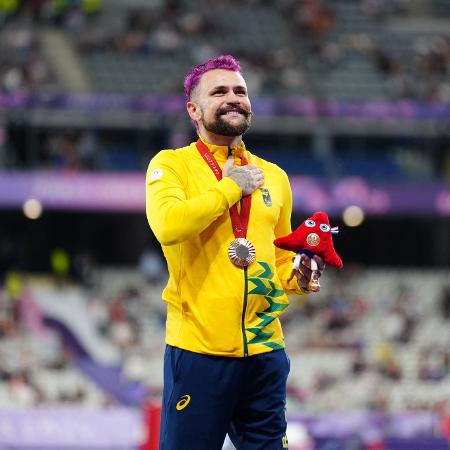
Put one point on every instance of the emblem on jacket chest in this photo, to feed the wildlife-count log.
(266, 196)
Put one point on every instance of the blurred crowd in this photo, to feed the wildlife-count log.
(36, 368)
(391, 350)
(320, 43)
(48, 12)
(72, 151)
(418, 70)
(22, 63)
(394, 350)
(149, 31)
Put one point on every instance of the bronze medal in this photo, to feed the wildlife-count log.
(241, 252)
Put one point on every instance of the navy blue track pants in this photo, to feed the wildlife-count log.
(206, 397)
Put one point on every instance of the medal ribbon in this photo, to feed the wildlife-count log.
(238, 221)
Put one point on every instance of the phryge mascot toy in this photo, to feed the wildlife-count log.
(312, 237)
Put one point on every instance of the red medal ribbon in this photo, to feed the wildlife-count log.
(238, 221)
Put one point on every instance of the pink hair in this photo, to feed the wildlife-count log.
(226, 62)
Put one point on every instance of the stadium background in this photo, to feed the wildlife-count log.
(351, 98)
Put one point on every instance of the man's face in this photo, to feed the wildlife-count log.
(220, 103)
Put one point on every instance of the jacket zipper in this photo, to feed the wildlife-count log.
(244, 308)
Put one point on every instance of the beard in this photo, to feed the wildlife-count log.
(223, 128)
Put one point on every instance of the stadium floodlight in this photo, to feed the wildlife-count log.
(32, 208)
(353, 216)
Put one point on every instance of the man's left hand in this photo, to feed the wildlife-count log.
(304, 272)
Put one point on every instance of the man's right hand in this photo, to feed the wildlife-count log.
(248, 178)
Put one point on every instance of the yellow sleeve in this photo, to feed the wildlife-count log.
(174, 218)
(284, 258)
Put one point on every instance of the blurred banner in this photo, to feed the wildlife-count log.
(271, 106)
(71, 428)
(123, 429)
(125, 192)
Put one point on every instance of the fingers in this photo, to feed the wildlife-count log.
(310, 284)
(258, 179)
(257, 175)
(307, 277)
(301, 277)
(305, 264)
(227, 166)
(320, 262)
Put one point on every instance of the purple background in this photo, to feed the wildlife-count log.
(121, 428)
(58, 428)
(294, 106)
(126, 192)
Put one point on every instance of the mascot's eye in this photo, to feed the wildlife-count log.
(310, 223)
(324, 227)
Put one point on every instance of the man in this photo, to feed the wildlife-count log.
(216, 209)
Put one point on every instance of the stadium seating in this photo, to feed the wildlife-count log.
(369, 316)
(345, 50)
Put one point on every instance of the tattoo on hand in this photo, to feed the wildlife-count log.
(242, 177)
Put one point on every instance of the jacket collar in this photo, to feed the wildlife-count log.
(221, 151)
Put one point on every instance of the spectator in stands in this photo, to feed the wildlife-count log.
(21, 63)
(379, 9)
(433, 364)
(84, 268)
(359, 363)
(22, 392)
(72, 150)
(323, 380)
(387, 363)
(73, 14)
(379, 400)
(8, 9)
(211, 333)
(60, 264)
(313, 17)
(151, 266)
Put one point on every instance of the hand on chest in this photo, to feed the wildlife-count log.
(266, 200)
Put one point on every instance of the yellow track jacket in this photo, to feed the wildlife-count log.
(213, 306)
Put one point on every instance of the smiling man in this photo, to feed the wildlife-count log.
(216, 209)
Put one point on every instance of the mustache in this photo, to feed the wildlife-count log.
(245, 112)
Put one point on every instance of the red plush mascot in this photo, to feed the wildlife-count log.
(312, 237)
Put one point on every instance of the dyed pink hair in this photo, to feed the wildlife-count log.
(226, 62)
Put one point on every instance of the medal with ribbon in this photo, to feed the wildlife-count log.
(241, 251)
